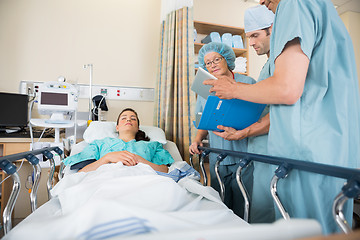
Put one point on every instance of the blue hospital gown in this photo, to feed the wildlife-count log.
(151, 151)
(227, 169)
(323, 125)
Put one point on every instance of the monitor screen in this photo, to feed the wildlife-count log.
(14, 110)
(51, 98)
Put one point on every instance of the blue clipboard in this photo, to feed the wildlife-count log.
(235, 113)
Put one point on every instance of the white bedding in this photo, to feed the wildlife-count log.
(121, 194)
(117, 201)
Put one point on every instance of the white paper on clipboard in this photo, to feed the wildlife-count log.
(198, 86)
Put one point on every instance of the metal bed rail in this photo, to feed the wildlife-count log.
(351, 188)
(6, 164)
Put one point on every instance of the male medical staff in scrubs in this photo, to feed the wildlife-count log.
(258, 22)
(314, 97)
(219, 60)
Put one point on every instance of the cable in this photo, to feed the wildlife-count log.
(98, 106)
(41, 134)
(31, 130)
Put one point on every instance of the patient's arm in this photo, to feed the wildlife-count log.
(261, 127)
(159, 168)
(127, 158)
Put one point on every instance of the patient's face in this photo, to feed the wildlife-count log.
(128, 121)
(217, 68)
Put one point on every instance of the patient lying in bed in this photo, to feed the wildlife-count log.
(131, 199)
(131, 147)
(125, 198)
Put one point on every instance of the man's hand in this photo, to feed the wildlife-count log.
(193, 148)
(224, 87)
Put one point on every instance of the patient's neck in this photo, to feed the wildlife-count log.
(127, 136)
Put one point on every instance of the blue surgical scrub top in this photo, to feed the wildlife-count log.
(262, 207)
(323, 125)
(151, 151)
(218, 142)
(227, 170)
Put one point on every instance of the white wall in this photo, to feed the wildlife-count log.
(41, 40)
(352, 24)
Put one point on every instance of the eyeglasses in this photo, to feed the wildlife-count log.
(215, 61)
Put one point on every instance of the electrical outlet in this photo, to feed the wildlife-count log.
(104, 91)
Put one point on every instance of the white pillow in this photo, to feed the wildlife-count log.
(154, 133)
(100, 130)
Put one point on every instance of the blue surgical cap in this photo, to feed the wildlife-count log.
(221, 48)
(257, 18)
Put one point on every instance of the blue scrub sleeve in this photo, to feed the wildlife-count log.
(91, 151)
(244, 79)
(161, 156)
(294, 19)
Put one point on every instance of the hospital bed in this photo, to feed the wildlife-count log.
(165, 209)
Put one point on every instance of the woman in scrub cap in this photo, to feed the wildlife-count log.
(315, 104)
(219, 60)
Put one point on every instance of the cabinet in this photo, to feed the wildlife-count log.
(7, 148)
(22, 207)
(204, 28)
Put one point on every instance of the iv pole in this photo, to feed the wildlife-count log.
(90, 86)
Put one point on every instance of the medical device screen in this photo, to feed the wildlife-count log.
(14, 110)
(51, 98)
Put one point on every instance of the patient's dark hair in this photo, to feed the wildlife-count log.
(140, 135)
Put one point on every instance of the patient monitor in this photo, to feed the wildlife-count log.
(59, 101)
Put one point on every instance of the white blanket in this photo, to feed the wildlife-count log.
(117, 200)
(121, 202)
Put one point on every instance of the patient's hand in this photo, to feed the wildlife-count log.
(127, 158)
(231, 133)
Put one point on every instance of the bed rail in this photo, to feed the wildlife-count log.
(351, 188)
(6, 164)
(10, 169)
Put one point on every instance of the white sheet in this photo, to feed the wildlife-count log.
(121, 202)
(117, 200)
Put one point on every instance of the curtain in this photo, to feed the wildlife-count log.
(174, 101)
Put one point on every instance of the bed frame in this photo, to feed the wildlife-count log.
(351, 188)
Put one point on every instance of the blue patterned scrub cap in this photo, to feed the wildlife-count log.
(221, 48)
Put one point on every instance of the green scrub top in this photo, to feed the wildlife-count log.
(151, 151)
(323, 125)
